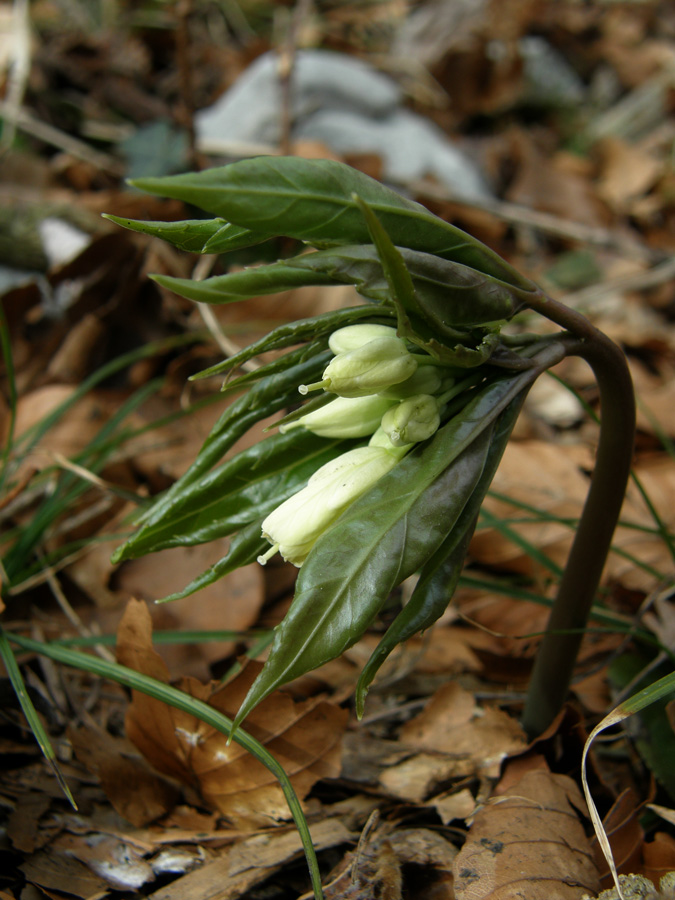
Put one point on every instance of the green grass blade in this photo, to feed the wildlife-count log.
(198, 708)
(29, 711)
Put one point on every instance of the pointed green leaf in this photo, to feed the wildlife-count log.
(195, 235)
(294, 333)
(312, 200)
(235, 286)
(270, 369)
(379, 541)
(245, 548)
(241, 490)
(440, 574)
(234, 237)
(386, 535)
(262, 400)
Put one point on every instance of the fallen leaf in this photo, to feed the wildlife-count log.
(231, 604)
(528, 842)
(454, 724)
(135, 791)
(304, 737)
(239, 868)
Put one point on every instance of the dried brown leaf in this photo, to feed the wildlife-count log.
(453, 723)
(547, 477)
(304, 737)
(528, 842)
(135, 791)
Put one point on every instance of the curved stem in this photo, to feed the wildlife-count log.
(557, 654)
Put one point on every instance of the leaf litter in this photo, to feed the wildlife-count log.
(167, 808)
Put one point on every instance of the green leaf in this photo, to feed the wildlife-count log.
(384, 536)
(236, 286)
(296, 332)
(380, 540)
(312, 200)
(440, 574)
(234, 237)
(241, 490)
(262, 400)
(276, 366)
(195, 235)
(444, 299)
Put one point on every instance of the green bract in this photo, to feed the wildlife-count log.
(385, 481)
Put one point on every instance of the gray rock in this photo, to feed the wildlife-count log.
(250, 110)
(550, 81)
(350, 107)
(410, 146)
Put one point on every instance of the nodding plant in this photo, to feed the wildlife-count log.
(414, 394)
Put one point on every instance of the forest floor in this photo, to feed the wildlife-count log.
(436, 793)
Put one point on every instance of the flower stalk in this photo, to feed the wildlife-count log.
(557, 654)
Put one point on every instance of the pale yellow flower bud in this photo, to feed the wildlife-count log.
(368, 369)
(353, 336)
(412, 420)
(426, 380)
(344, 417)
(294, 527)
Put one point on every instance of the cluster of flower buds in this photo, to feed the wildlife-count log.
(383, 391)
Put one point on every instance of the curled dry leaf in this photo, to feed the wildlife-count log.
(304, 737)
(528, 842)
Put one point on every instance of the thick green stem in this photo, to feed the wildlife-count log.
(557, 654)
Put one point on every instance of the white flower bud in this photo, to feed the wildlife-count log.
(412, 420)
(344, 417)
(294, 527)
(366, 370)
(353, 336)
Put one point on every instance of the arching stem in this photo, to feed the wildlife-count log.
(557, 654)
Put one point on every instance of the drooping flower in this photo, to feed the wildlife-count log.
(368, 369)
(412, 420)
(294, 527)
(351, 337)
(344, 417)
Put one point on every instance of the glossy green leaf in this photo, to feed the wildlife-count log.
(384, 536)
(440, 574)
(191, 234)
(262, 400)
(241, 490)
(233, 237)
(445, 297)
(312, 200)
(236, 286)
(430, 321)
(380, 540)
(276, 366)
(296, 332)
(195, 235)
